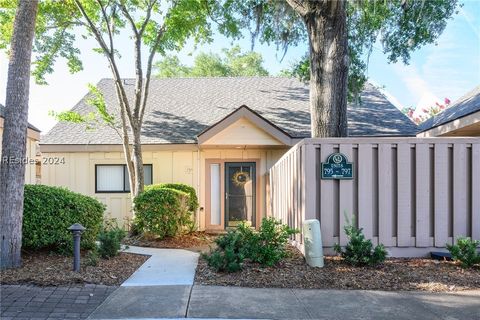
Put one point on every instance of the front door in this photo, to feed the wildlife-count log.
(240, 193)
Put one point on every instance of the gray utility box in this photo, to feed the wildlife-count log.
(312, 239)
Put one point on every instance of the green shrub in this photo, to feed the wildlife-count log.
(49, 211)
(110, 239)
(192, 201)
(189, 221)
(228, 256)
(465, 251)
(359, 251)
(92, 257)
(161, 211)
(268, 245)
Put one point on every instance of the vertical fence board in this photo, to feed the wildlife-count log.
(422, 191)
(476, 191)
(346, 197)
(326, 201)
(459, 190)
(365, 188)
(310, 190)
(404, 195)
(441, 194)
(385, 194)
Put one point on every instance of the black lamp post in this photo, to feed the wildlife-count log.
(76, 229)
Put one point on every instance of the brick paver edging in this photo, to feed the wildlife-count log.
(63, 302)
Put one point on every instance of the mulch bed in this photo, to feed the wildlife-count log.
(49, 269)
(196, 241)
(393, 274)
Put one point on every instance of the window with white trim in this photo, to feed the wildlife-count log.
(113, 178)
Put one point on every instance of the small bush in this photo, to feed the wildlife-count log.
(268, 245)
(359, 251)
(49, 211)
(188, 221)
(110, 239)
(465, 251)
(192, 200)
(161, 211)
(228, 256)
(92, 258)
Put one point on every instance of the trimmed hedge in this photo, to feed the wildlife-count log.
(192, 201)
(49, 211)
(161, 211)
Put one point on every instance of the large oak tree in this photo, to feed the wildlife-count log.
(340, 36)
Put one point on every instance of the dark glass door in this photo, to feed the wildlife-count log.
(239, 193)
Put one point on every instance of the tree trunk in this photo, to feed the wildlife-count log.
(326, 23)
(12, 168)
(138, 162)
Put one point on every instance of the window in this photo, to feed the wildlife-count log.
(114, 177)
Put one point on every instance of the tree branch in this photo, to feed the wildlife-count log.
(160, 34)
(109, 30)
(299, 6)
(122, 95)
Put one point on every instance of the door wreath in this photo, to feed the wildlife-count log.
(240, 178)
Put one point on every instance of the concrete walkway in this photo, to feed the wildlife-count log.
(163, 288)
(165, 267)
(160, 288)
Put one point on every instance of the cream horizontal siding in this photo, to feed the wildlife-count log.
(30, 167)
(183, 166)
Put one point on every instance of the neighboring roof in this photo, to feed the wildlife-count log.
(181, 108)
(2, 115)
(464, 106)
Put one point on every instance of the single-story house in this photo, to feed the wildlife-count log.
(220, 135)
(460, 119)
(33, 137)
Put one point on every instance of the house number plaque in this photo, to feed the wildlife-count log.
(337, 167)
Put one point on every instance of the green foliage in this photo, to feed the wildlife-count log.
(234, 63)
(187, 220)
(161, 211)
(92, 258)
(267, 246)
(60, 25)
(229, 254)
(400, 28)
(465, 250)
(193, 199)
(360, 251)
(100, 115)
(171, 67)
(110, 242)
(49, 211)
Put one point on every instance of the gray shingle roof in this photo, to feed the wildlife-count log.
(464, 106)
(180, 108)
(2, 115)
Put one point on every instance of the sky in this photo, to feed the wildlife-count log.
(446, 70)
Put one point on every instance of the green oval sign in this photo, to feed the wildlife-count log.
(337, 167)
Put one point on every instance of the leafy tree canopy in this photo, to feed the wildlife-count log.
(400, 26)
(232, 63)
(60, 23)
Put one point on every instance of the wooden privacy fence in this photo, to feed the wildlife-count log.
(410, 194)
